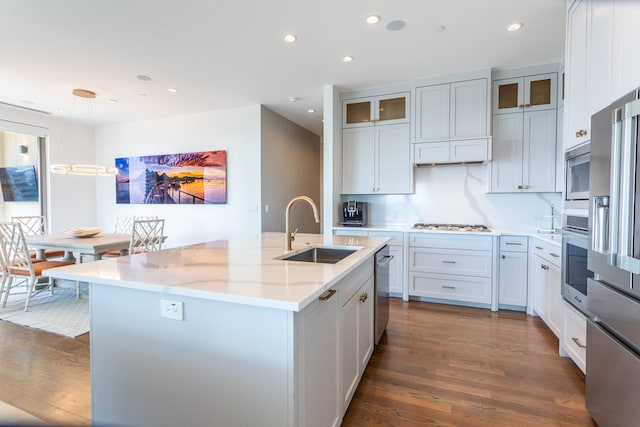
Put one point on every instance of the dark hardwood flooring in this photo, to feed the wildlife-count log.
(436, 365)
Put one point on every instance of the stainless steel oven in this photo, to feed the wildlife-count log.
(577, 164)
(575, 247)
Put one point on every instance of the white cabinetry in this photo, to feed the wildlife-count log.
(318, 382)
(356, 334)
(452, 122)
(512, 283)
(452, 268)
(376, 145)
(546, 282)
(524, 134)
(574, 336)
(377, 160)
(396, 249)
(591, 37)
(626, 33)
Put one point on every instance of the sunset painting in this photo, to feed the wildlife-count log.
(187, 178)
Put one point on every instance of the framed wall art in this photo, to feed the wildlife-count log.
(185, 179)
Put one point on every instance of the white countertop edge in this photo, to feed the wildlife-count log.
(356, 260)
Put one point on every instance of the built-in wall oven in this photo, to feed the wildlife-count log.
(575, 247)
(577, 164)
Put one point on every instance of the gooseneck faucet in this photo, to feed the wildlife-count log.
(287, 218)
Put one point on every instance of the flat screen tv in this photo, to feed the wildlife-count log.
(19, 184)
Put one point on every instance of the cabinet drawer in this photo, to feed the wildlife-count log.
(397, 237)
(350, 232)
(431, 152)
(547, 251)
(473, 150)
(459, 288)
(574, 339)
(513, 243)
(354, 281)
(448, 261)
(466, 241)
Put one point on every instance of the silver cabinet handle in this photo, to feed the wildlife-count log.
(513, 243)
(539, 247)
(444, 261)
(578, 343)
(327, 295)
(448, 287)
(554, 255)
(386, 260)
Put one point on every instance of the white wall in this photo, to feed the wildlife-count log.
(237, 131)
(456, 194)
(71, 199)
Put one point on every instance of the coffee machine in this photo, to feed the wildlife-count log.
(354, 213)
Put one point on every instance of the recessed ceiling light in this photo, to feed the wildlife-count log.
(143, 77)
(347, 59)
(311, 110)
(294, 99)
(440, 28)
(172, 90)
(373, 19)
(396, 25)
(515, 26)
(112, 101)
(290, 38)
(142, 94)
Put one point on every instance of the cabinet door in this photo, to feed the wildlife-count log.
(468, 109)
(577, 126)
(396, 282)
(392, 109)
(600, 53)
(357, 112)
(432, 113)
(540, 92)
(539, 151)
(318, 385)
(366, 299)
(431, 152)
(393, 159)
(508, 95)
(349, 349)
(358, 160)
(540, 297)
(506, 163)
(555, 300)
(513, 279)
(626, 33)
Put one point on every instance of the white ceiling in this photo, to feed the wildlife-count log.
(228, 53)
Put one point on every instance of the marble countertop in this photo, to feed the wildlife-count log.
(554, 238)
(240, 271)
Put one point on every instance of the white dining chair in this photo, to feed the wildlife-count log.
(34, 225)
(21, 270)
(147, 235)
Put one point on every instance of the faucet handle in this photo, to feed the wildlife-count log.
(293, 235)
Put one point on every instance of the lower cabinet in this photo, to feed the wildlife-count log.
(513, 280)
(546, 283)
(574, 336)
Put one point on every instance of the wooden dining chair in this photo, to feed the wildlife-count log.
(34, 225)
(21, 270)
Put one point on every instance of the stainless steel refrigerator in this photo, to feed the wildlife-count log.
(613, 333)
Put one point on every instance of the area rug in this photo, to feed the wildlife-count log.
(61, 313)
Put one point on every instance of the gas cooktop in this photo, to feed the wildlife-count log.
(451, 227)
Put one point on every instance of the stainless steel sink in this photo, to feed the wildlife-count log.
(319, 254)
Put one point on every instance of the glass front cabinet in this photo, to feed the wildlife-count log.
(378, 110)
(531, 93)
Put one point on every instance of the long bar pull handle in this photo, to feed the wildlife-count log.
(327, 295)
(513, 244)
(578, 343)
(444, 261)
(448, 287)
(614, 185)
(386, 260)
(554, 255)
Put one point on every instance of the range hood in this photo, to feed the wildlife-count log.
(455, 152)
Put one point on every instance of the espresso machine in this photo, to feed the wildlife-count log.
(354, 213)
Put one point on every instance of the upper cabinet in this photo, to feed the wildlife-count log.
(378, 110)
(626, 33)
(588, 62)
(524, 131)
(452, 120)
(531, 93)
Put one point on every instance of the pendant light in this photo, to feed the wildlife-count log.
(82, 169)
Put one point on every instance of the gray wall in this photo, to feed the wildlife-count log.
(290, 166)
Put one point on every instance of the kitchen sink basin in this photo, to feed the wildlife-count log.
(319, 254)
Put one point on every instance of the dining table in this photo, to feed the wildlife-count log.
(96, 245)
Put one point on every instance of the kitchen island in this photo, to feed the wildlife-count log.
(224, 333)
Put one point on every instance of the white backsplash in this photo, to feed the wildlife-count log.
(457, 194)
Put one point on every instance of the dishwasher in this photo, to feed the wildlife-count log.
(381, 284)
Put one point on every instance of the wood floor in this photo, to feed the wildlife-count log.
(436, 365)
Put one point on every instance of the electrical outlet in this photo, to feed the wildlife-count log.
(172, 309)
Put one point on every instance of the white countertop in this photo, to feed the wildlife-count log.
(555, 238)
(241, 271)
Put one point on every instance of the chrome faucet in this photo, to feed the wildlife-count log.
(287, 218)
